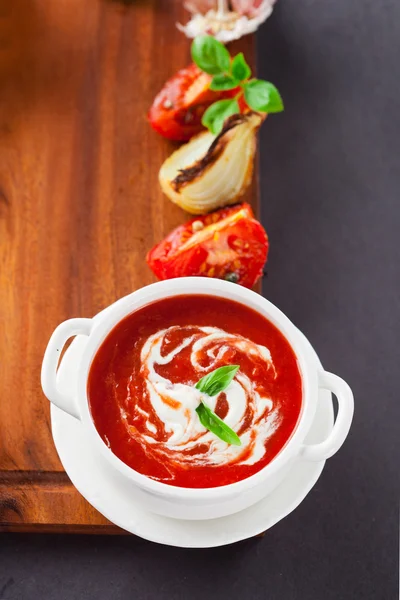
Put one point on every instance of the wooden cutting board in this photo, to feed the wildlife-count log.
(80, 206)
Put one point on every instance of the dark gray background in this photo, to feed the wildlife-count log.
(330, 186)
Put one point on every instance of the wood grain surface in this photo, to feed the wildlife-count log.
(80, 206)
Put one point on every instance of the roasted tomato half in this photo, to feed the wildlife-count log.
(228, 244)
(177, 110)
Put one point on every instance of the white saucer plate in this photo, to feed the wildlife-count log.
(108, 491)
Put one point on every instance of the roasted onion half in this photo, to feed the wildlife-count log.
(213, 171)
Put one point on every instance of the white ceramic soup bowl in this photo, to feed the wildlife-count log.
(206, 503)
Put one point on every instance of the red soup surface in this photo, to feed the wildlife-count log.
(143, 400)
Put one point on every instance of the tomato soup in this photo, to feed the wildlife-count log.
(143, 400)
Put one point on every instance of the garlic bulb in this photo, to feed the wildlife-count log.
(213, 171)
(222, 22)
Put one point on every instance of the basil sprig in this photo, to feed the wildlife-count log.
(230, 73)
(212, 384)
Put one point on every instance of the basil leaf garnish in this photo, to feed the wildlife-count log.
(223, 81)
(210, 55)
(217, 113)
(262, 96)
(213, 423)
(217, 381)
(240, 68)
(229, 73)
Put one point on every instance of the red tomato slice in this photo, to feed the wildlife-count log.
(228, 244)
(178, 108)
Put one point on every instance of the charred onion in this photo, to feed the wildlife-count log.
(213, 171)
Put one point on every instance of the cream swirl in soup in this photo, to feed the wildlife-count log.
(171, 413)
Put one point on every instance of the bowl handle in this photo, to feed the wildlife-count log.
(51, 359)
(344, 395)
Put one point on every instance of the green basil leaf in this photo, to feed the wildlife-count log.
(217, 113)
(210, 55)
(263, 96)
(239, 68)
(223, 82)
(214, 424)
(217, 381)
